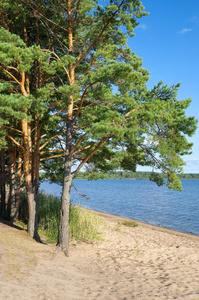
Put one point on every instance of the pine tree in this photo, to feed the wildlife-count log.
(111, 118)
(107, 117)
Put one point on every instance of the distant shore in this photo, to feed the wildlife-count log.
(131, 175)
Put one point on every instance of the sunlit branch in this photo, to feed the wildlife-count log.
(92, 153)
(82, 137)
(76, 10)
(15, 142)
(13, 129)
(82, 149)
(11, 75)
(81, 102)
(52, 138)
(51, 157)
(54, 104)
(51, 151)
(90, 65)
(52, 52)
(59, 112)
(127, 114)
(12, 68)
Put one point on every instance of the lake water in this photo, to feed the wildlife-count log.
(142, 200)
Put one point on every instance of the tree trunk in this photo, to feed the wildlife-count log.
(32, 219)
(63, 236)
(32, 206)
(28, 174)
(12, 166)
(3, 185)
(18, 189)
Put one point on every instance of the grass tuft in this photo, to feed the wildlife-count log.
(48, 216)
(84, 225)
(130, 223)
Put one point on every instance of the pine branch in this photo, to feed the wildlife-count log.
(52, 138)
(15, 142)
(51, 151)
(99, 36)
(11, 75)
(82, 137)
(92, 153)
(11, 128)
(58, 58)
(51, 157)
(81, 101)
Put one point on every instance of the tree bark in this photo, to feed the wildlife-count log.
(28, 172)
(19, 179)
(11, 211)
(63, 235)
(3, 185)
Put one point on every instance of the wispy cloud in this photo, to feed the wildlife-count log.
(192, 165)
(185, 30)
(143, 26)
(194, 20)
(192, 160)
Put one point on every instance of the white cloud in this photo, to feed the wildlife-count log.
(194, 20)
(143, 26)
(192, 160)
(185, 30)
(192, 165)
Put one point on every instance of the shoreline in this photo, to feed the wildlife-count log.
(117, 218)
(142, 263)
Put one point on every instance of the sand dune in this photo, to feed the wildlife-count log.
(145, 262)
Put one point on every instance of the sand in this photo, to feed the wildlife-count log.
(145, 262)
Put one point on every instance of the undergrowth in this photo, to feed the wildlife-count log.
(84, 225)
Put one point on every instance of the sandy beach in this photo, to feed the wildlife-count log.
(145, 262)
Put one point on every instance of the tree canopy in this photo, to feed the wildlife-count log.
(85, 96)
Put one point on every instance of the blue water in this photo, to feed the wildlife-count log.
(142, 200)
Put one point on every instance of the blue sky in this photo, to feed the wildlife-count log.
(168, 42)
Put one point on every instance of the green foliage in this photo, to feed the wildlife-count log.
(114, 113)
(133, 175)
(48, 213)
(85, 225)
(130, 223)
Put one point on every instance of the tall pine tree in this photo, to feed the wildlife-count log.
(111, 118)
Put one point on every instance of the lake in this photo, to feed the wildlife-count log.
(142, 200)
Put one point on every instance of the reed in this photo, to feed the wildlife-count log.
(84, 225)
